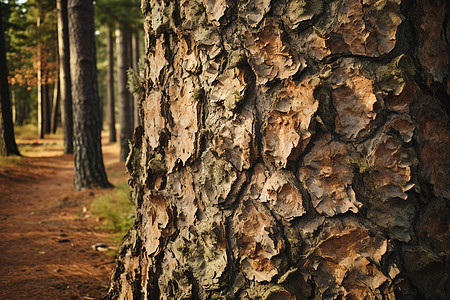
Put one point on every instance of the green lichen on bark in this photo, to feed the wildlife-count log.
(392, 77)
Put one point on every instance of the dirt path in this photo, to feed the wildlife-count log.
(47, 231)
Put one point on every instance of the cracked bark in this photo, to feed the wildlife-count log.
(290, 150)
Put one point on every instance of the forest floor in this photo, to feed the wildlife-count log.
(47, 229)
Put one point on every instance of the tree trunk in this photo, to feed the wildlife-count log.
(55, 106)
(110, 89)
(64, 76)
(291, 150)
(7, 140)
(125, 111)
(40, 90)
(40, 99)
(130, 66)
(14, 107)
(89, 167)
(47, 115)
(41, 104)
(135, 55)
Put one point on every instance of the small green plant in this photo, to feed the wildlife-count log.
(115, 210)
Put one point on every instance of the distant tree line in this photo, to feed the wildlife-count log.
(39, 42)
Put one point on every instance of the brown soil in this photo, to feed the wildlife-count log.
(47, 230)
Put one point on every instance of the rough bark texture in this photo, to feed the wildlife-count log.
(7, 140)
(123, 45)
(110, 90)
(64, 76)
(291, 150)
(89, 167)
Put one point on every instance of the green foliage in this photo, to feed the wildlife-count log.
(115, 210)
(123, 13)
(27, 44)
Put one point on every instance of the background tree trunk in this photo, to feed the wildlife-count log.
(291, 150)
(40, 90)
(110, 88)
(47, 112)
(7, 140)
(136, 55)
(130, 65)
(125, 110)
(55, 105)
(89, 167)
(64, 76)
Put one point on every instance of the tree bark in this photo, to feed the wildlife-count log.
(64, 76)
(291, 150)
(125, 111)
(110, 90)
(7, 140)
(89, 167)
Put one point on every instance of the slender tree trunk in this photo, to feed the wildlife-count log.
(136, 54)
(40, 99)
(47, 111)
(130, 64)
(55, 105)
(40, 90)
(89, 167)
(41, 103)
(64, 76)
(110, 90)
(125, 112)
(7, 140)
(291, 150)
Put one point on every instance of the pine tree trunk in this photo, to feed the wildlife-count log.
(40, 98)
(47, 114)
(40, 90)
(55, 105)
(130, 64)
(135, 54)
(291, 150)
(110, 91)
(7, 140)
(64, 76)
(89, 167)
(125, 111)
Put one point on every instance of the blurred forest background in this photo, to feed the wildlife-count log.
(32, 55)
(58, 138)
